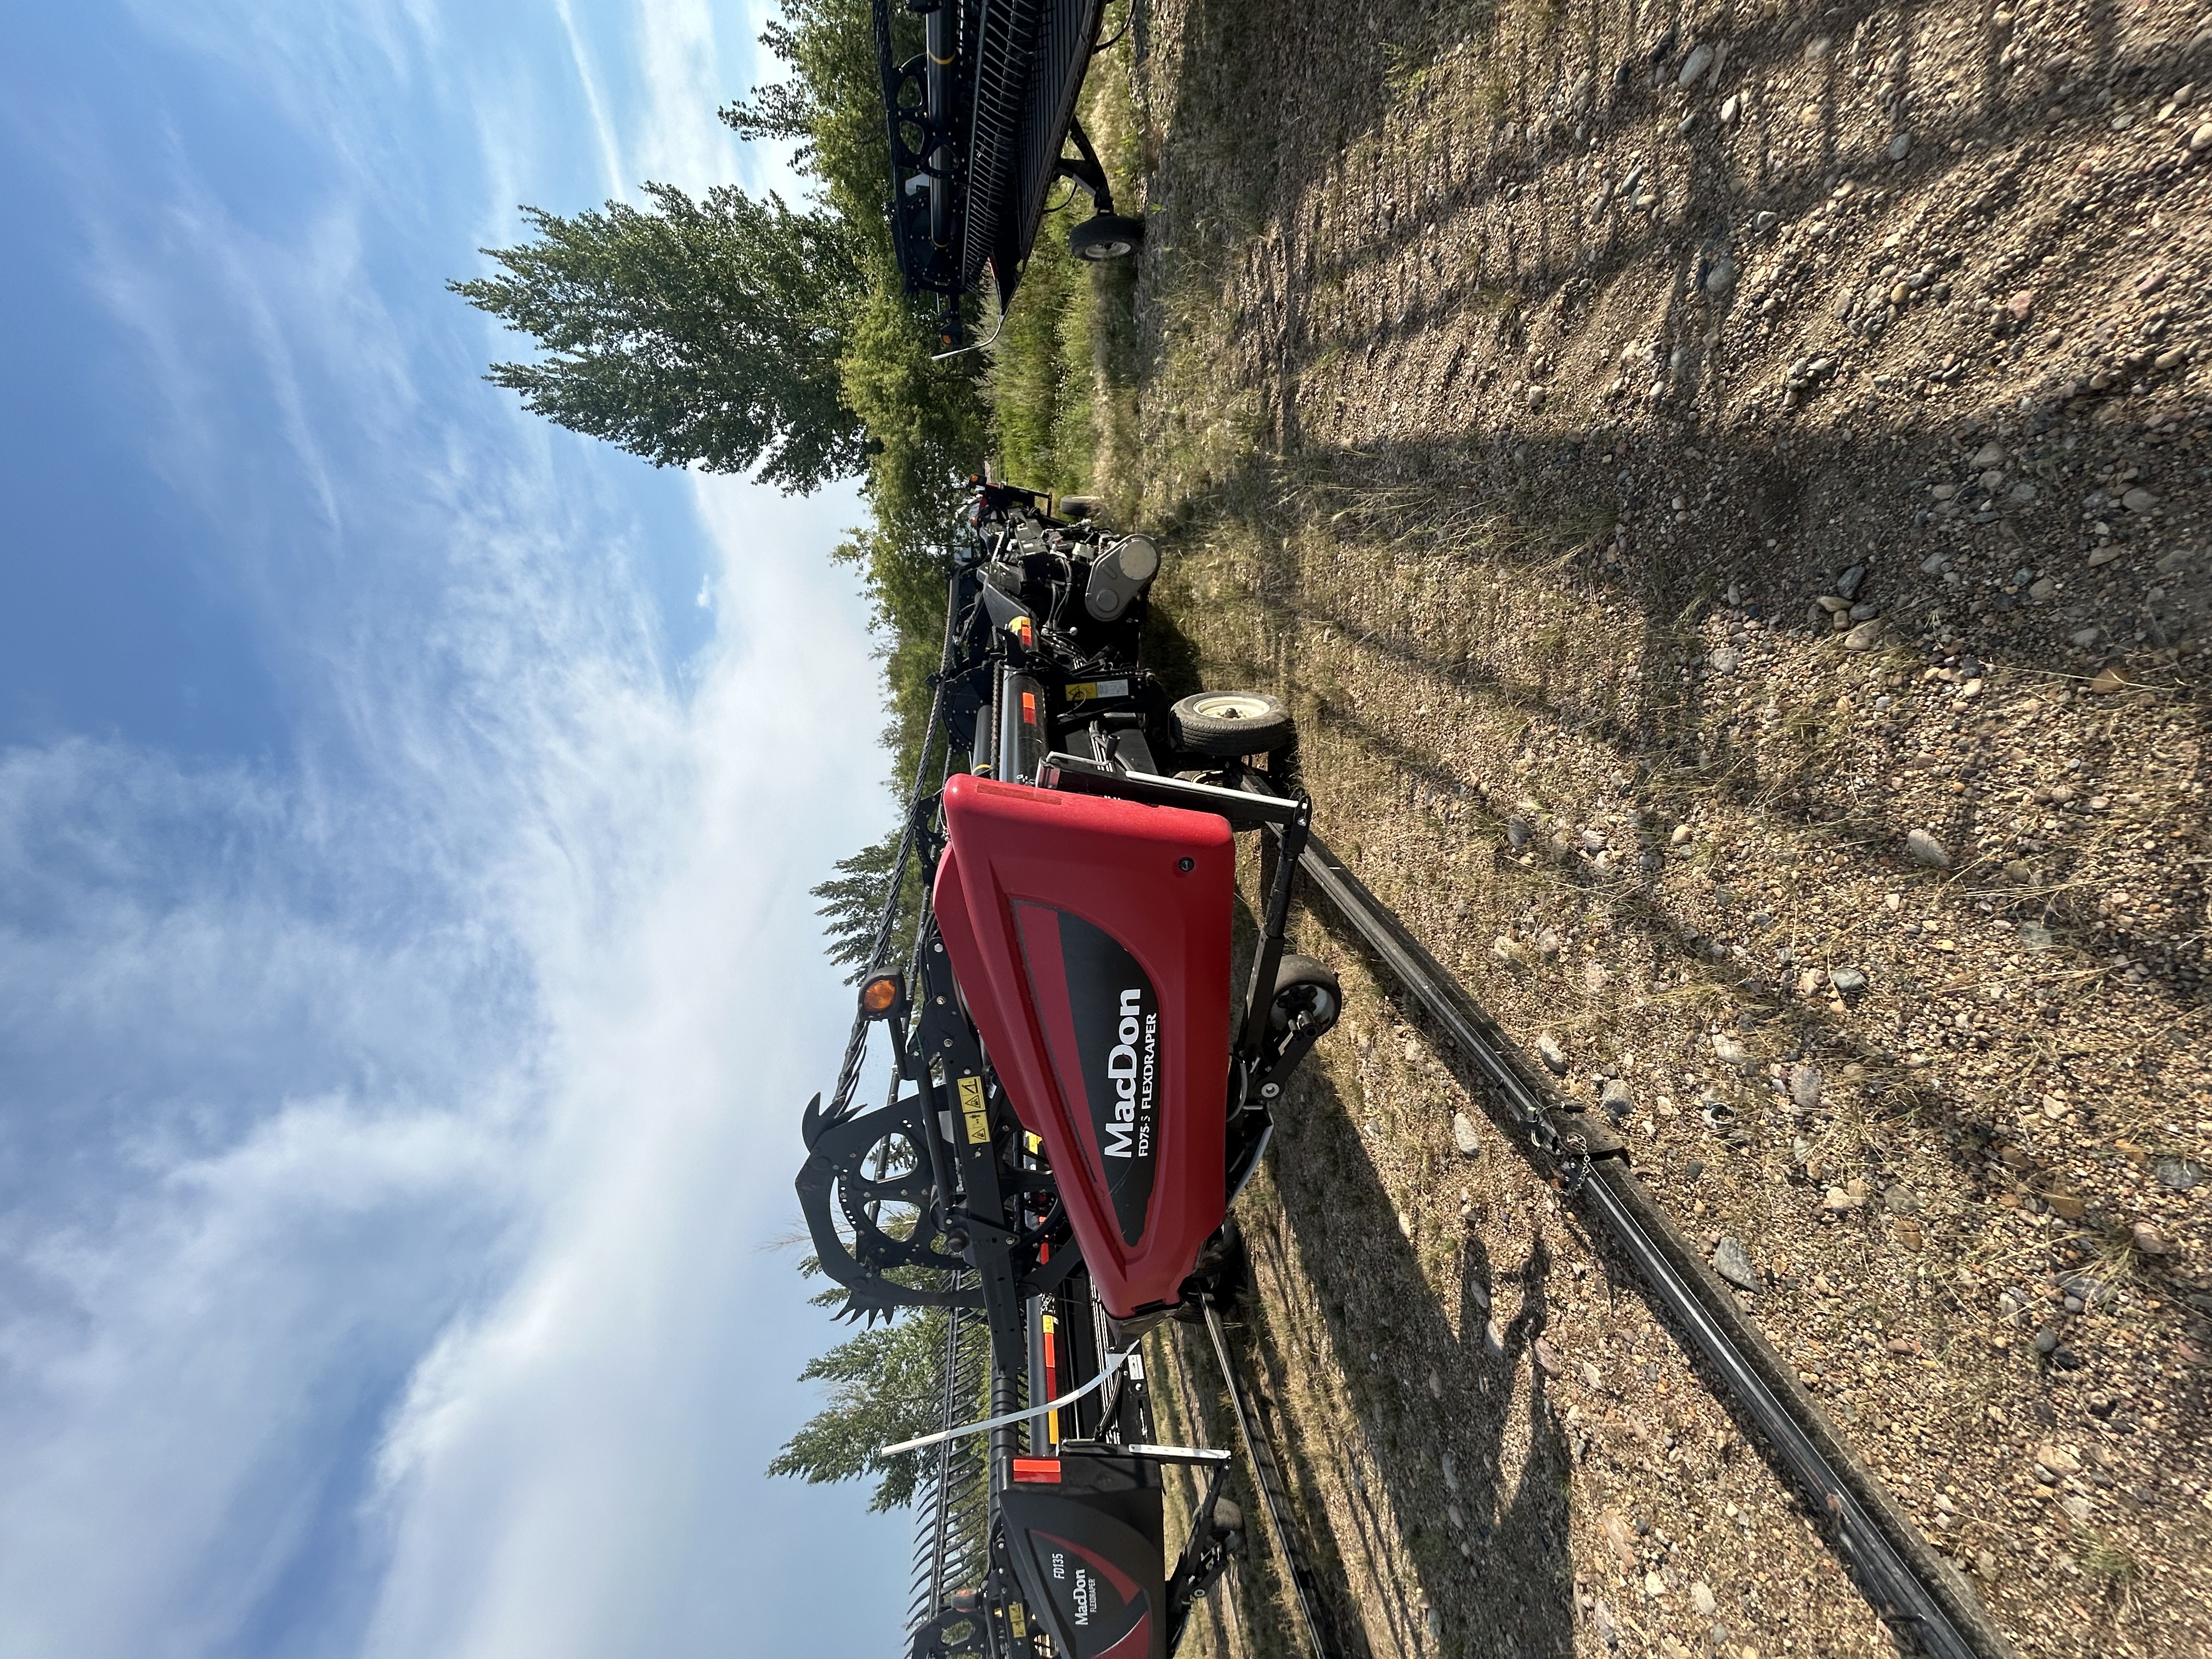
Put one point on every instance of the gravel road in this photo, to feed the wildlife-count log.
(1726, 492)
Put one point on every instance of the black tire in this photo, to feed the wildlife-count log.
(1079, 507)
(1304, 986)
(1221, 1275)
(1227, 723)
(1105, 236)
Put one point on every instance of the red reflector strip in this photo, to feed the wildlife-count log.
(1028, 708)
(1041, 1470)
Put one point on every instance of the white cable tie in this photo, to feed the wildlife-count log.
(1114, 1363)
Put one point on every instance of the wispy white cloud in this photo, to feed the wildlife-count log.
(398, 1116)
(615, 168)
(684, 66)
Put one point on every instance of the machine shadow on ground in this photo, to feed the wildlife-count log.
(1432, 1482)
(1663, 742)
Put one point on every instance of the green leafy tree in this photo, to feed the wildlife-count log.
(709, 331)
(853, 907)
(833, 105)
(886, 1385)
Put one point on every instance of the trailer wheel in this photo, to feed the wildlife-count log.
(1225, 723)
(1079, 507)
(1105, 236)
(1303, 986)
(1220, 1275)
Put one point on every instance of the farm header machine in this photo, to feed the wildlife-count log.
(1077, 1090)
(981, 119)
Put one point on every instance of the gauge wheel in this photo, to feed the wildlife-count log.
(1303, 986)
(1226, 723)
(1105, 236)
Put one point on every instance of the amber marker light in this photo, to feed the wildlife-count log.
(880, 995)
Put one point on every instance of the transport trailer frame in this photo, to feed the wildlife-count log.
(979, 122)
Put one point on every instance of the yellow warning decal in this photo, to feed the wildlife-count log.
(1090, 690)
(1015, 1622)
(971, 1109)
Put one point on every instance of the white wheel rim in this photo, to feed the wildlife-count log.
(1230, 706)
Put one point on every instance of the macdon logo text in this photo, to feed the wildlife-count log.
(1133, 1069)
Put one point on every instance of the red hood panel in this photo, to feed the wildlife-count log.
(1097, 969)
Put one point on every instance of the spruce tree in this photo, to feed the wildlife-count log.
(705, 332)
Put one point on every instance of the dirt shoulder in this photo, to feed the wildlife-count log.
(1726, 492)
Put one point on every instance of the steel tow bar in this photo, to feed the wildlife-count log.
(1267, 1479)
(1908, 1585)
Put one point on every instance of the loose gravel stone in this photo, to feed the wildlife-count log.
(2149, 1239)
(1466, 1136)
(1729, 1052)
(1805, 1087)
(1616, 1099)
(2180, 1174)
(1733, 1263)
(1553, 1056)
(1864, 636)
(1921, 847)
(1618, 1536)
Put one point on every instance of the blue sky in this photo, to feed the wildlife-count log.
(408, 985)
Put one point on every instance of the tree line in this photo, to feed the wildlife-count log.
(737, 334)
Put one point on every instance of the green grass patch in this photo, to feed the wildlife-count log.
(1061, 380)
(1040, 383)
